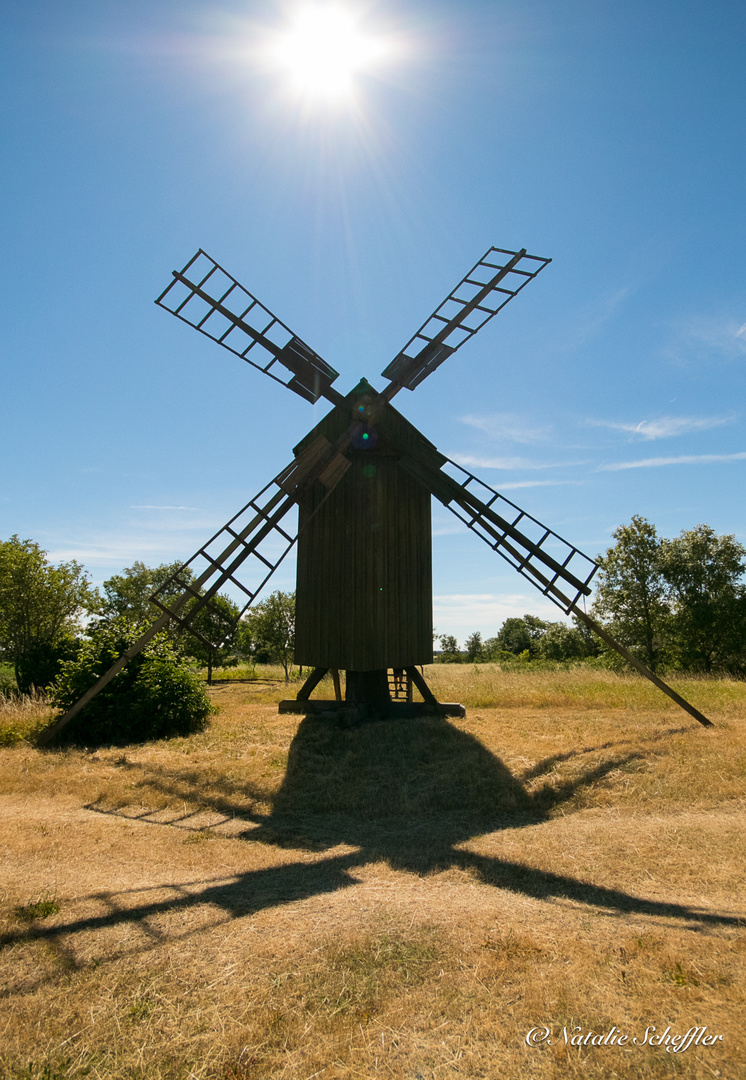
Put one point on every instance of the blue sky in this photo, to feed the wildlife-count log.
(608, 136)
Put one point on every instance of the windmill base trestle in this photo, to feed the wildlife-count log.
(371, 695)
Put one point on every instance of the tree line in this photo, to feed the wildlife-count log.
(676, 603)
(49, 613)
(528, 638)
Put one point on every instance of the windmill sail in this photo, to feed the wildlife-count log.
(207, 297)
(486, 289)
(253, 542)
(552, 564)
(251, 535)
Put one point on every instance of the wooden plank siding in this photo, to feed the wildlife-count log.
(364, 579)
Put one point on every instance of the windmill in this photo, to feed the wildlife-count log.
(362, 480)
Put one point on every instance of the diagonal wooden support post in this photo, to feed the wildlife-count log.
(639, 666)
(311, 683)
(47, 736)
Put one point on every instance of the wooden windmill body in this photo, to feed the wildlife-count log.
(364, 570)
(364, 577)
(362, 481)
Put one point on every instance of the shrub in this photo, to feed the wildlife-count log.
(39, 663)
(7, 680)
(156, 696)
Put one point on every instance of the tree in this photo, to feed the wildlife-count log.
(704, 572)
(632, 591)
(591, 643)
(216, 622)
(129, 593)
(270, 625)
(514, 636)
(561, 642)
(474, 647)
(492, 650)
(41, 606)
(449, 653)
(155, 696)
(537, 628)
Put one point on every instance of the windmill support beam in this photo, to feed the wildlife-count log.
(311, 683)
(367, 698)
(639, 666)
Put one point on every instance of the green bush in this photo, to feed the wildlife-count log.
(155, 696)
(7, 680)
(39, 663)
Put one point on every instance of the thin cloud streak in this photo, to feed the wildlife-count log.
(665, 427)
(707, 339)
(588, 321)
(146, 506)
(538, 483)
(511, 463)
(507, 426)
(682, 459)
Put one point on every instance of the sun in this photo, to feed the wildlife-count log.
(322, 51)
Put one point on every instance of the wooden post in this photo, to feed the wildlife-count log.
(419, 681)
(369, 688)
(639, 666)
(311, 683)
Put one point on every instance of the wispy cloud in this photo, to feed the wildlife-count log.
(664, 427)
(147, 506)
(682, 459)
(537, 483)
(588, 321)
(508, 426)
(708, 338)
(511, 463)
(121, 551)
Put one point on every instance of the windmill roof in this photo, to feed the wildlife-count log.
(395, 433)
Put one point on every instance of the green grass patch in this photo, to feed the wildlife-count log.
(38, 909)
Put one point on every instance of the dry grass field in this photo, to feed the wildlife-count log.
(285, 899)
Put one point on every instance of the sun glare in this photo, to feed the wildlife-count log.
(322, 51)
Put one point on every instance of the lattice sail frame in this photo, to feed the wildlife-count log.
(541, 555)
(238, 544)
(204, 295)
(537, 552)
(253, 541)
(486, 289)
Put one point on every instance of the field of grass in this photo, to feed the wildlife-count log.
(286, 897)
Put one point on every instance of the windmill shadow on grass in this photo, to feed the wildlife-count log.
(408, 794)
(402, 791)
(405, 793)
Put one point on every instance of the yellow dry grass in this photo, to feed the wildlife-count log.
(399, 900)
